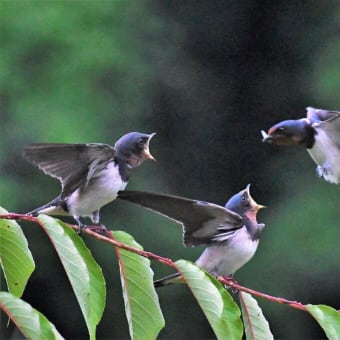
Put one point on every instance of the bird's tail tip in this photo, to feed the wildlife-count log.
(159, 283)
(32, 213)
(168, 280)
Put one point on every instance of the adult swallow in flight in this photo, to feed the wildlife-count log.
(319, 133)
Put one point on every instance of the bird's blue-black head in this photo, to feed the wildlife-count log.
(291, 132)
(242, 203)
(134, 148)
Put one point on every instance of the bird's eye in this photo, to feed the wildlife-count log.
(244, 200)
(141, 141)
(280, 130)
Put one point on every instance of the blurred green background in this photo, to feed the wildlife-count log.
(207, 76)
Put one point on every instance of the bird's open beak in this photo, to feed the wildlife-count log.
(265, 137)
(256, 207)
(146, 151)
(259, 206)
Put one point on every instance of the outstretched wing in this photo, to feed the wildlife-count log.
(320, 115)
(332, 128)
(328, 121)
(73, 164)
(203, 222)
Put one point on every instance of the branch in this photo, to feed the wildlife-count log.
(108, 238)
(232, 283)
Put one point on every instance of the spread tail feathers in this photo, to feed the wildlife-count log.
(167, 280)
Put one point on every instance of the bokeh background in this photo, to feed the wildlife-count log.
(207, 76)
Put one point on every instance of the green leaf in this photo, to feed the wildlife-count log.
(85, 275)
(328, 318)
(15, 257)
(218, 306)
(31, 323)
(255, 324)
(142, 308)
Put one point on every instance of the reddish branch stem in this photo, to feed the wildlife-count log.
(108, 238)
(231, 283)
(105, 237)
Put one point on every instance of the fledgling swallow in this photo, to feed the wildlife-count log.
(231, 233)
(90, 174)
(319, 133)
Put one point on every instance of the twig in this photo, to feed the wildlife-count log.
(110, 239)
(106, 237)
(231, 283)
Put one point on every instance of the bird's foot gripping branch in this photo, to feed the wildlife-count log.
(87, 281)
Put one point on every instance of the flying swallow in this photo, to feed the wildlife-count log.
(231, 233)
(90, 174)
(319, 133)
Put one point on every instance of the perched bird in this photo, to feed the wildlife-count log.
(231, 233)
(319, 133)
(90, 174)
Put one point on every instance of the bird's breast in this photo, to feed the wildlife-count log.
(226, 259)
(326, 153)
(101, 189)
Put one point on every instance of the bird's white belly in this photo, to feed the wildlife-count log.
(321, 155)
(225, 260)
(101, 190)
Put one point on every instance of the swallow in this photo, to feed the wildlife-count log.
(319, 133)
(90, 174)
(231, 233)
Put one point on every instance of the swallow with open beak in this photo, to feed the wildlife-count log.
(90, 174)
(319, 133)
(231, 233)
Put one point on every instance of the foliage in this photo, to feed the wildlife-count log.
(328, 318)
(143, 312)
(15, 257)
(142, 308)
(31, 323)
(216, 303)
(83, 272)
(255, 324)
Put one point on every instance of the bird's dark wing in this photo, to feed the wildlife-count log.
(203, 222)
(73, 164)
